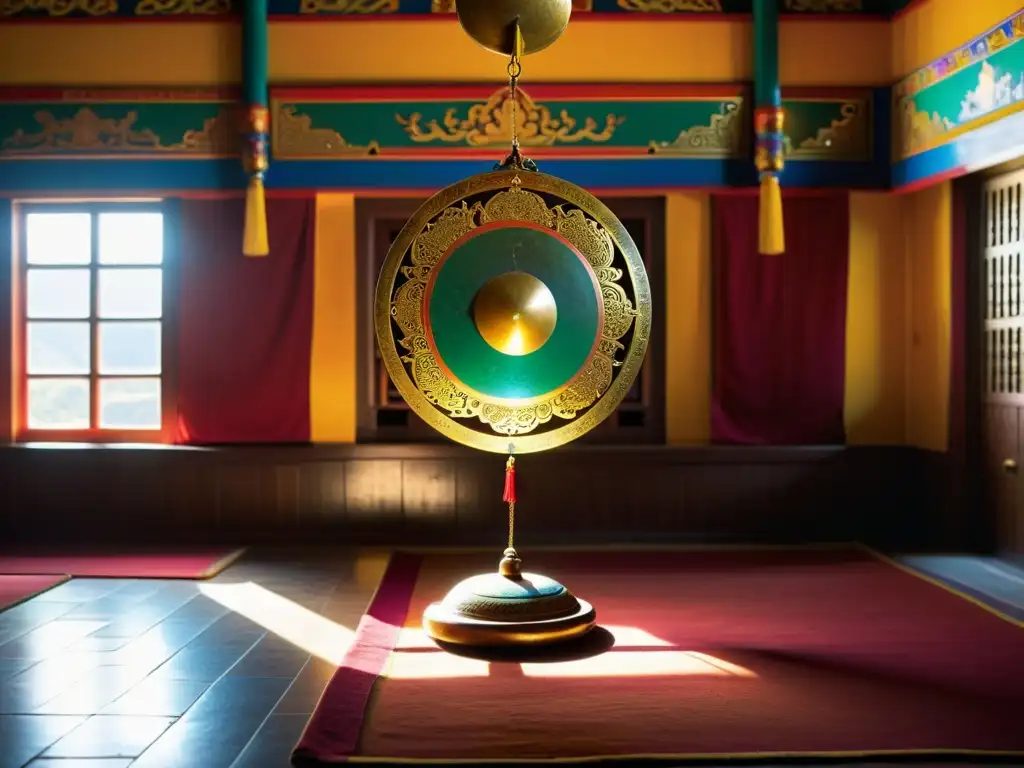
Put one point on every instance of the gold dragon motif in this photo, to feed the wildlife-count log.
(58, 7)
(182, 7)
(824, 6)
(85, 131)
(448, 6)
(497, 120)
(295, 136)
(349, 6)
(671, 6)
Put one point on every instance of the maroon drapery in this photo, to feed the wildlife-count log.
(780, 324)
(246, 325)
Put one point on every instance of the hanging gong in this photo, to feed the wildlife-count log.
(513, 312)
(492, 23)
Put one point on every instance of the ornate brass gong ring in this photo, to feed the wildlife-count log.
(512, 314)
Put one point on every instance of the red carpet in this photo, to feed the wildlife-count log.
(18, 589)
(715, 655)
(189, 564)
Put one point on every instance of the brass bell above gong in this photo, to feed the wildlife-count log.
(492, 23)
(512, 314)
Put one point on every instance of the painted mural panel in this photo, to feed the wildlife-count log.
(143, 9)
(981, 82)
(111, 124)
(700, 122)
(63, 9)
(568, 121)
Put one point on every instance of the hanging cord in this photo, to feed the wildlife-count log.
(509, 497)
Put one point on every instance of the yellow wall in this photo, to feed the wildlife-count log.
(899, 318)
(931, 29)
(332, 381)
(927, 232)
(207, 53)
(687, 307)
(876, 322)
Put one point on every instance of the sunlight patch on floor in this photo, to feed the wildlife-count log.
(300, 626)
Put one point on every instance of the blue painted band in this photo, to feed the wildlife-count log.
(374, 174)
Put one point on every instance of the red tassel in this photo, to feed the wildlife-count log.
(509, 497)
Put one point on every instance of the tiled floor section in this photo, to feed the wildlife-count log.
(160, 674)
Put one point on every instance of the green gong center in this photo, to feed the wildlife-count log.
(515, 313)
(480, 276)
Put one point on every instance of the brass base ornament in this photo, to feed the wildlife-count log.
(508, 608)
(512, 314)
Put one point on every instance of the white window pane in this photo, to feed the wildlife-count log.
(56, 294)
(130, 403)
(129, 348)
(131, 238)
(130, 293)
(58, 238)
(57, 348)
(58, 403)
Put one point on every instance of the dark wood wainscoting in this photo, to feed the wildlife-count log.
(428, 494)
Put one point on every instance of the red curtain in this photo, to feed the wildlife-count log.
(246, 325)
(780, 324)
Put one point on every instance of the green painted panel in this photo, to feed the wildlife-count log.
(117, 128)
(981, 82)
(828, 129)
(471, 359)
(636, 124)
(686, 127)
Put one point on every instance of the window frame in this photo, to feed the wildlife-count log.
(168, 402)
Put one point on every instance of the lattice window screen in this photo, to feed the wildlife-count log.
(1003, 247)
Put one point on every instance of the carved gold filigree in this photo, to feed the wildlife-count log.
(513, 204)
(448, 6)
(498, 119)
(918, 129)
(58, 7)
(182, 7)
(349, 6)
(85, 131)
(845, 137)
(721, 138)
(295, 136)
(671, 6)
(824, 6)
(455, 211)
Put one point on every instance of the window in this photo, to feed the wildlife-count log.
(92, 302)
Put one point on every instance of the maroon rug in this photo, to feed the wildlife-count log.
(700, 655)
(18, 589)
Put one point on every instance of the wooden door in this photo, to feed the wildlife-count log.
(1003, 334)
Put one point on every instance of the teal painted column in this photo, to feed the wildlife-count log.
(256, 124)
(768, 125)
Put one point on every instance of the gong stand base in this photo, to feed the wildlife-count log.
(508, 608)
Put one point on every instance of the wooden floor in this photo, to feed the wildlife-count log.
(110, 673)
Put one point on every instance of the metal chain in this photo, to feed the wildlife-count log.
(511, 522)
